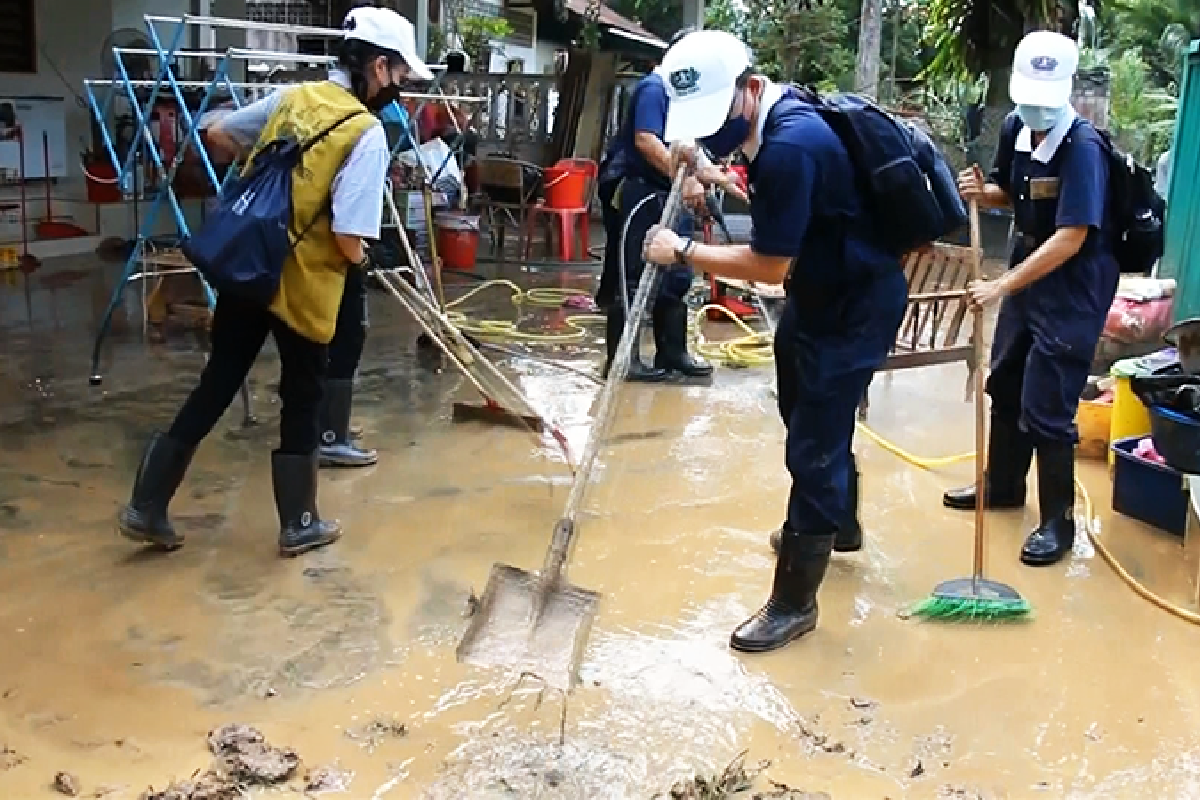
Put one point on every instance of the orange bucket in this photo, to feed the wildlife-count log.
(457, 241)
(565, 187)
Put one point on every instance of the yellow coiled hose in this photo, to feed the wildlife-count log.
(503, 329)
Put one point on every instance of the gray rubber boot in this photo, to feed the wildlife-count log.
(301, 528)
(337, 446)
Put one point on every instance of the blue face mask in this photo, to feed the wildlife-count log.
(1039, 118)
(732, 135)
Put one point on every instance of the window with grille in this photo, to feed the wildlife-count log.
(18, 51)
(287, 12)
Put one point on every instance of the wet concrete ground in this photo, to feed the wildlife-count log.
(115, 663)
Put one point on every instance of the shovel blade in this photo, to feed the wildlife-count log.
(523, 626)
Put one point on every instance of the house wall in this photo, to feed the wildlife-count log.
(70, 38)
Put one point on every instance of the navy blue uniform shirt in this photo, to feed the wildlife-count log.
(1068, 190)
(805, 205)
(647, 113)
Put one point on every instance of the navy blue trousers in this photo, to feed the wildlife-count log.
(829, 342)
(674, 282)
(1041, 356)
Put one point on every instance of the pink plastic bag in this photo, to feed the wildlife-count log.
(1131, 322)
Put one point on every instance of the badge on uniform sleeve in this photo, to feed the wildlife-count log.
(1043, 188)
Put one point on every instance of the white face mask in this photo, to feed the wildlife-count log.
(1039, 118)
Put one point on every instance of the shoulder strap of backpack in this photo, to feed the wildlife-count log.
(304, 148)
(327, 206)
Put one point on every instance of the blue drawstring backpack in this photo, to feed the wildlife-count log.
(243, 244)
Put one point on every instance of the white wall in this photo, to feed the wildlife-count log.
(71, 35)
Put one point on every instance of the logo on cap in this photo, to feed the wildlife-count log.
(685, 81)
(349, 24)
(1043, 63)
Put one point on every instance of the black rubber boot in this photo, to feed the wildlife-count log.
(849, 537)
(300, 526)
(1010, 452)
(791, 610)
(671, 343)
(1053, 539)
(144, 519)
(337, 445)
(638, 371)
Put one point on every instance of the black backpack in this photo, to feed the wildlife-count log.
(1136, 210)
(908, 188)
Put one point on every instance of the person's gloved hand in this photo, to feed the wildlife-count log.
(662, 244)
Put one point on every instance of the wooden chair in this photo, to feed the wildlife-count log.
(934, 330)
(505, 199)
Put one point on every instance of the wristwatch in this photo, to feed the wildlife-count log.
(682, 256)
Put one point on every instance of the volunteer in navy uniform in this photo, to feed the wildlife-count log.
(845, 295)
(636, 168)
(1051, 168)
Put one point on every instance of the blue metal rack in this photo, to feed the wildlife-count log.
(147, 260)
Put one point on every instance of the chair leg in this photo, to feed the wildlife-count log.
(527, 248)
(564, 236)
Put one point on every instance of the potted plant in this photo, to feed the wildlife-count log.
(476, 35)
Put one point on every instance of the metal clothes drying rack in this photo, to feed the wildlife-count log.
(146, 261)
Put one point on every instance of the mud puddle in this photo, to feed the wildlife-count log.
(116, 663)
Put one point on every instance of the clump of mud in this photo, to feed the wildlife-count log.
(9, 758)
(735, 779)
(327, 779)
(66, 784)
(243, 754)
(378, 730)
(242, 758)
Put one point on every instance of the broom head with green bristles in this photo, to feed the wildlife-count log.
(975, 598)
(972, 599)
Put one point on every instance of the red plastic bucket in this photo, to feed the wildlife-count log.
(457, 241)
(565, 187)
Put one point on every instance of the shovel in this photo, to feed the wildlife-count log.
(538, 623)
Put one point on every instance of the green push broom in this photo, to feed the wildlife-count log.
(975, 598)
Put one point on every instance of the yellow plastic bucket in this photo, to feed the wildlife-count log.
(1130, 417)
(1094, 421)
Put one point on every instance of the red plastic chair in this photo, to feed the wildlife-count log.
(566, 220)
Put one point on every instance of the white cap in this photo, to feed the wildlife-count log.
(1043, 68)
(701, 72)
(387, 30)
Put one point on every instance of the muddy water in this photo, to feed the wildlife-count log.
(114, 663)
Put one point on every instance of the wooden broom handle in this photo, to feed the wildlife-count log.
(980, 417)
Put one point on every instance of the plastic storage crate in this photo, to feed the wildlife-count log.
(1148, 492)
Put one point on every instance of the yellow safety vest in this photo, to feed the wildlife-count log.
(314, 277)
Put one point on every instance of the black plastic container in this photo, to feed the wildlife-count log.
(1176, 438)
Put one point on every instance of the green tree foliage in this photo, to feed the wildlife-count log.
(1159, 29)
(661, 17)
(1141, 116)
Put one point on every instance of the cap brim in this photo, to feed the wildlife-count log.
(417, 67)
(697, 117)
(1047, 94)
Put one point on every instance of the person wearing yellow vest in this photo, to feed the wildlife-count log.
(338, 190)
